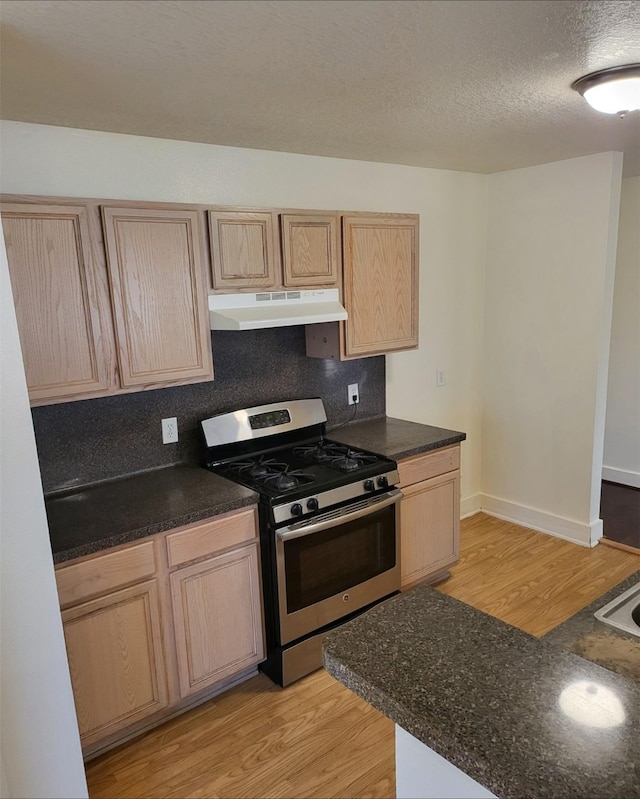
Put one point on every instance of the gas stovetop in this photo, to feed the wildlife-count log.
(300, 471)
(281, 452)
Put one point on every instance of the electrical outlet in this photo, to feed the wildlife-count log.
(170, 430)
(354, 394)
(440, 380)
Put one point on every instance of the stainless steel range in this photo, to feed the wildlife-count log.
(328, 524)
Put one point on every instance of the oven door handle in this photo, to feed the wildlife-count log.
(336, 518)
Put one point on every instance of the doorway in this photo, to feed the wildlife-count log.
(620, 494)
(620, 514)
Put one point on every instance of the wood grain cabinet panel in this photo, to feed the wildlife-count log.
(429, 514)
(77, 582)
(430, 464)
(380, 283)
(116, 660)
(217, 617)
(380, 289)
(159, 295)
(429, 528)
(245, 251)
(55, 293)
(208, 538)
(310, 250)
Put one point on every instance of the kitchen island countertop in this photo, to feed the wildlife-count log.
(518, 714)
(104, 515)
(600, 643)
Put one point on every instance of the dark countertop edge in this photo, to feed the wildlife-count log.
(104, 544)
(394, 710)
(434, 734)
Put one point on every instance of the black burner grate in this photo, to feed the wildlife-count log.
(338, 456)
(270, 473)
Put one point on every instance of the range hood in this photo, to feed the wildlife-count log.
(274, 309)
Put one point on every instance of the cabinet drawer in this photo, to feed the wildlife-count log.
(424, 467)
(105, 573)
(210, 537)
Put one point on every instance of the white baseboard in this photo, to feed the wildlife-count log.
(622, 476)
(469, 506)
(587, 535)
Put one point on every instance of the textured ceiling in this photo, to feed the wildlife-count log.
(478, 86)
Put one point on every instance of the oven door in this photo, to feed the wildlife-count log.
(336, 563)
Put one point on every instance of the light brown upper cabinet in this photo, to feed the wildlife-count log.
(245, 250)
(380, 289)
(157, 285)
(108, 299)
(266, 250)
(310, 250)
(380, 284)
(62, 324)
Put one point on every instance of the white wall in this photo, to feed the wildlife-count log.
(548, 288)
(40, 159)
(622, 429)
(453, 245)
(39, 742)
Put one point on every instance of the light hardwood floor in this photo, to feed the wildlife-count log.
(315, 738)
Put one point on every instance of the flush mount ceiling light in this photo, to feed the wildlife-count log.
(613, 91)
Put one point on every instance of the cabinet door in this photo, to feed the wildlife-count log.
(429, 527)
(380, 283)
(55, 293)
(116, 660)
(218, 619)
(245, 251)
(310, 246)
(159, 295)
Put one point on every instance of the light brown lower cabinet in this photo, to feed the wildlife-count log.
(217, 615)
(429, 515)
(155, 627)
(116, 660)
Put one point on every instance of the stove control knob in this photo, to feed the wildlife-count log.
(383, 482)
(296, 510)
(369, 485)
(312, 504)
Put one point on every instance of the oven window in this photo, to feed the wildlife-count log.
(332, 561)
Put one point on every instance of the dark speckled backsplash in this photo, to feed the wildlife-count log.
(92, 440)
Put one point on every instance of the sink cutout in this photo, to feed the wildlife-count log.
(623, 612)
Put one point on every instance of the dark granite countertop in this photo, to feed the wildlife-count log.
(91, 519)
(395, 438)
(518, 714)
(600, 643)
